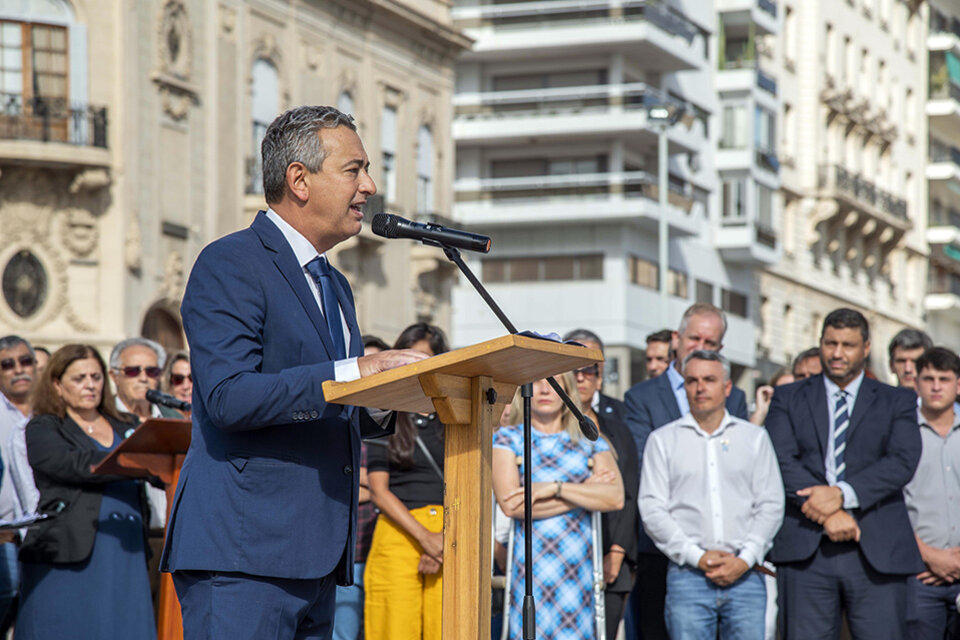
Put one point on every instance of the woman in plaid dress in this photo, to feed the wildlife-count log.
(571, 477)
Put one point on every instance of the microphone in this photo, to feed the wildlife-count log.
(167, 400)
(391, 226)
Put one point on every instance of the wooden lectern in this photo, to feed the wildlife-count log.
(468, 389)
(156, 448)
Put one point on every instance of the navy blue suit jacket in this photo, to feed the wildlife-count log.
(269, 485)
(652, 404)
(883, 450)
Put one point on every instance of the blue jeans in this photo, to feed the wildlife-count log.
(932, 611)
(348, 620)
(695, 606)
(9, 581)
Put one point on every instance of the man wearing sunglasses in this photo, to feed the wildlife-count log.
(17, 377)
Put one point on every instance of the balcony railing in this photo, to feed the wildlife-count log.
(940, 152)
(52, 120)
(947, 283)
(538, 102)
(578, 185)
(554, 13)
(766, 82)
(767, 159)
(862, 190)
(769, 6)
(940, 24)
(945, 91)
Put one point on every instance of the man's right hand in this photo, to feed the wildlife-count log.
(841, 527)
(385, 360)
(943, 563)
(712, 559)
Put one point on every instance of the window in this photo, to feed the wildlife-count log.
(734, 303)
(677, 283)
(543, 269)
(787, 132)
(790, 35)
(734, 193)
(265, 105)
(527, 167)
(345, 102)
(831, 46)
(425, 170)
(644, 272)
(734, 134)
(34, 77)
(388, 147)
(764, 129)
(765, 207)
(704, 292)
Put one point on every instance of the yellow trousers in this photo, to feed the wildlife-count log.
(399, 602)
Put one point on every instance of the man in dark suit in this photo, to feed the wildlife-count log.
(264, 516)
(847, 445)
(619, 527)
(652, 404)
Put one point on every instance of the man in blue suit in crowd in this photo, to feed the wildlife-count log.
(650, 405)
(262, 524)
(847, 445)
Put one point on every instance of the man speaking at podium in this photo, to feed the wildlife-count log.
(262, 524)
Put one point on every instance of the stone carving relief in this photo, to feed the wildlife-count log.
(133, 245)
(228, 22)
(80, 235)
(175, 65)
(172, 287)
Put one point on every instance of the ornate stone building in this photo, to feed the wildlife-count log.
(129, 137)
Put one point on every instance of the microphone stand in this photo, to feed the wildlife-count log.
(587, 428)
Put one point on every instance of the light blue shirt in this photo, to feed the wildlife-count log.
(850, 499)
(679, 392)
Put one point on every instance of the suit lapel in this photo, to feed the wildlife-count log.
(667, 396)
(286, 263)
(816, 395)
(865, 398)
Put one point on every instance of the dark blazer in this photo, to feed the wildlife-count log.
(61, 456)
(620, 527)
(269, 485)
(883, 450)
(651, 404)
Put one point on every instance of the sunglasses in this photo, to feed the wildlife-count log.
(9, 363)
(587, 372)
(133, 372)
(178, 378)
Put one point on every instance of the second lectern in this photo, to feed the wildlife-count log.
(468, 389)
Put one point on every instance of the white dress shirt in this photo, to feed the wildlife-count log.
(344, 370)
(719, 491)
(850, 499)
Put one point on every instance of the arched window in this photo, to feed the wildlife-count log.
(345, 102)
(425, 170)
(265, 104)
(388, 147)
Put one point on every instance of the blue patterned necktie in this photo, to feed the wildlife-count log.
(320, 270)
(841, 420)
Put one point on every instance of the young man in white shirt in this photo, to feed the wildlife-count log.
(711, 499)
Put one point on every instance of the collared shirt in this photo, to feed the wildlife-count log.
(933, 495)
(850, 499)
(344, 370)
(704, 491)
(679, 392)
(12, 423)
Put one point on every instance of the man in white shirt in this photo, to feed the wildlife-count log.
(711, 499)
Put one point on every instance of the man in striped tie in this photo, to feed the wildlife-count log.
(846, 445)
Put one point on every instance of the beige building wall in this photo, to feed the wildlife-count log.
(115, 227)
(853, 146)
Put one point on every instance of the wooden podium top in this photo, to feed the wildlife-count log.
(160, 436)
(509, 359)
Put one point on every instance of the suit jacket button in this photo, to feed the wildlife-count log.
(347, 470)
(294, 415)
(314, 414)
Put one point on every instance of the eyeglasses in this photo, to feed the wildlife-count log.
(587, 372)
(9, 363)
(178, 378)
(133, 372)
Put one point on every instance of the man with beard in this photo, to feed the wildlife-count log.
(847, 445)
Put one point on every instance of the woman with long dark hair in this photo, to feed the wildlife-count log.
(403, 578)
(84, 569)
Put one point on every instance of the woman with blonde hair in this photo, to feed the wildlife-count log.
(572, 477)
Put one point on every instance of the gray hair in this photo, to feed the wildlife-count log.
(712, 356)
(909, 339)
(137, 342)
(579, 335)
(11, 341)
(292, 137)
(700, 309)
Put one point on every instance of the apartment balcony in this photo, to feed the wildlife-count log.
(748, 241)
(629, 197)
(858, 109)
(661, 37)
(514, 117)
(857, 202)
(944, 104)
(52, 133)
(742, 13)
(739, 78)
(944, 167)
(945, 37)
(943, 292)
